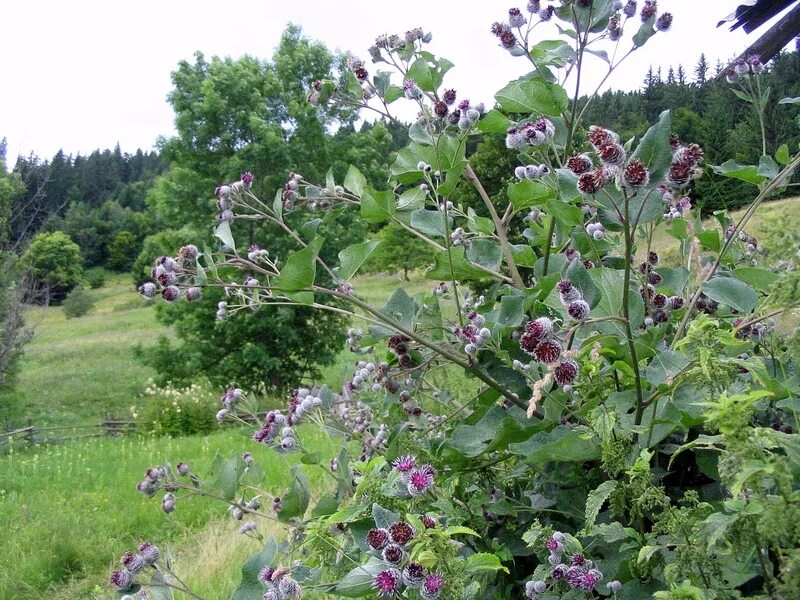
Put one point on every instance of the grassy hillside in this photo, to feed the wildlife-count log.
(77, 370)
(69, 511)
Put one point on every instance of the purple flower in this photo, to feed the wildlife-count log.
(377, 538)
(404, 464)
(265, 575)
(413, 575)
(387, 582)
(133, 563)
(419, 482)
(150, 553)
(559, 572)
(432, 586)
(121, 580)
(394, 554)
(401, 532)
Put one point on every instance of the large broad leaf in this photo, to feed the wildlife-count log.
(227, 475)
(556, 53)
(428, 72)
(401, 307)
(483, 562)
(761, 279)
(430, 222)
(665, 366)
(294, 503)
(251, 588)
(354, 181)
(654, 150)
(494, 431)
(352, 257)
(533, 96)
(358, 582)
(377, 207)
(595, 501)
(646, 31)
(383, 518)
(223, 232)
(494, 122)
(299, 271)
(732, 169)
(462, 269)
(562, 444)
(444, 156)
(525, 194)
(611, 283)
(485, 252)
(736, 294)
(159, 590)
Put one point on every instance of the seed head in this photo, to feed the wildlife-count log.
(394, 554)
(664, 22)
(611, 153)
(432, 587)
(150, 553)
(579, 164)
(121, 580)
(591, 183)
(635, 174)
(547, 351)
(578, 310)
(566, 371)
(377, 538)
(413, 575)
(133, 563)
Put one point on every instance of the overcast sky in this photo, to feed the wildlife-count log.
(87, 74)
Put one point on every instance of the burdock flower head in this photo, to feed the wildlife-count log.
(133, 563)
(579, 164)
(404, 464)
(401, 532)
(432, 586)
(419, 482)
(411, 90)
(150, 553)
(121, 580)
(377, 538)
(635, 174)
(387, 583)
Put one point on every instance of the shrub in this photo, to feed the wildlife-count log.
(55, 263)
(177, 411)
(122, 251)
(96, 277)
(634, 434)
(77, 303)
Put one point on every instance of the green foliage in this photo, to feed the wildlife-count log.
(95, 277)
(77, 303)
(122, 251)
(177, 411)
(55, 263)
(399, 251)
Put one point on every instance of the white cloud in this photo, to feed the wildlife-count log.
(88, 74)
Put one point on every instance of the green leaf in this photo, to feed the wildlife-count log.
(330, 183)
(654, 149)
(569, 214)
(430, 222)
(377, 206)
(462, 268)
(709, 239)
(352, 257)
(401, 307)
(782, 155)
(358, 582)
(158, 589)
(664, 366)
(523, 255)
(446, 155)
(734, 293)
(595, 501)
(525, 194)
(461, 530)
(251, 588)
(383, 518)
(562, 444)
(355, 182)
(294, 503)
(610, 283)
(494, 431)
(767, 167)
(485, 252)
(494, 122)
(223, 232)
(327, 505)
(795, 100)
(760, 279)
(299, 271)
(411, 199)
(533, 96)
(228, 475)
(556, 53)
(732, 169)
(393, 92)
(483, 562)
(646, 31)
(427, 72)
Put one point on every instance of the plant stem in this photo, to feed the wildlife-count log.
(626, 312)
(469, 173)
(550, 230)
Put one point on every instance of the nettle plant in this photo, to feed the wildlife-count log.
(611, 423)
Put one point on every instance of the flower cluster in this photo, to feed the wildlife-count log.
(134, 563)
(657, 305)
(539, 341)
(229, 399)
(399, 346)
(290, 191)
(226, 195)
(416, 478)
(167, 273)
(679, 207)
(685, 164)
(750, 242)
(743, 67)
(578, 572)
(529, 133)
(572, 300)
(474, 334)
(531, 171)
(391, 542)
(754, 332)
(278, 583)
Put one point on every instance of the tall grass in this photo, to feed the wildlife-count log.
(69, 511)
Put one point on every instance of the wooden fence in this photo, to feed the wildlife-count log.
(32, 435)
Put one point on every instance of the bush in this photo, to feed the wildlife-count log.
(55, 263)
(177, 411)
(95, 277)
(77, 303)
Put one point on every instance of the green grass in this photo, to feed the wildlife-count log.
(69, 511)
(76, 370)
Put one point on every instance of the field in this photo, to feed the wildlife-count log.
(70, 510)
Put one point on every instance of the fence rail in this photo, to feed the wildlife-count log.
(52, 434)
